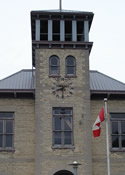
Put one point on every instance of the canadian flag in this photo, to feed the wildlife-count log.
(97, 125)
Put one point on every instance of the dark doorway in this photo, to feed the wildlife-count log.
(63, 172)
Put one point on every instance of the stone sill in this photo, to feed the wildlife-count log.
(7, 150)
(63, 147)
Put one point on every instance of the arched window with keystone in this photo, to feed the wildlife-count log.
(54, 65)
(70, 66)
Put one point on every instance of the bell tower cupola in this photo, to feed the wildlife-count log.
(60, 29)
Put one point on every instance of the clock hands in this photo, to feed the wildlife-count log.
(62, 88)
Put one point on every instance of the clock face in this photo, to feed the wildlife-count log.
(62, 87)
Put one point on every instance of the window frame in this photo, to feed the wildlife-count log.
(73, 66)
(4, 133)
(120, 134)
(62, 130)
(50, 66)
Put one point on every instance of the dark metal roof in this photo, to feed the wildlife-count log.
(102, 82)
(24, 80)
(61, 11)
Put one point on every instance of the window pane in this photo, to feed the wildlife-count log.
(114, 127)
(57, 123)
(1, 126)
(123, 141)
(54, 70)
(68, 37)
(68, 27)
(67, 138)
(68, 111)
(68, 30)
(57, 111)
(44, 26)
(70, 61)
(9, 126)
(80, 27)
(123, 127)
(56, 37)
(67, 124)
(63, 111)
(80, 31)
(56, 26)
(54, 61)
(43, 37)
(115, 141)
(57, 138)
(80, 37)
(70, 70)
(6, 114)
(9, 140)
(1, 140)
(118, 115)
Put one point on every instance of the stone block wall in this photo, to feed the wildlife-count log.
(21, 160)
(48, 159)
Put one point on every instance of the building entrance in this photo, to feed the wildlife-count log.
(63, 172)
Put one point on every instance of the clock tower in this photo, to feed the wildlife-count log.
(60, 56)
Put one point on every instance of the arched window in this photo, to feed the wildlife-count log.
(54, 65)
(64, 172)
(70, 66)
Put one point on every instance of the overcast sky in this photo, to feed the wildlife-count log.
(107, 33)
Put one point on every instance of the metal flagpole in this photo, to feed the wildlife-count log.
(107, 138)
(60, 4)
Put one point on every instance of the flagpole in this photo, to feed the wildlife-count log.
(60, 5)
(107, 138)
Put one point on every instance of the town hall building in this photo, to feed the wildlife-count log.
(47, 112)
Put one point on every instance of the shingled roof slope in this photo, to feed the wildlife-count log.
(25, 80)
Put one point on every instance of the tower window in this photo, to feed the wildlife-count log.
(80, 30)
(70, 66)
(56, 30)
(54, 65)
(44, 30)
(62, 127)
(68, 30)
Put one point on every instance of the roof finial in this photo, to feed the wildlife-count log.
(60, 4)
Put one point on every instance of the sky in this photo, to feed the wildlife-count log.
(107, 32)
